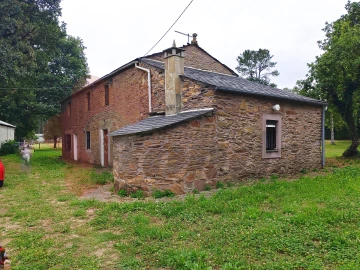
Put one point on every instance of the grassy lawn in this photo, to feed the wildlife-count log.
(337, 149)
(311, 223)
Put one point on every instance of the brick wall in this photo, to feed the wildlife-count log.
(128, 103)
(197, 58)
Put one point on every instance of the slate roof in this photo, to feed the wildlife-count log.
(159, 122)
(196, 45)
(228, 83)
(2, 123)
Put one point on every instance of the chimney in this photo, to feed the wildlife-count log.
(194, 40)
(174, 66)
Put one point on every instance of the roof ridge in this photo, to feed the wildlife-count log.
(196, 68)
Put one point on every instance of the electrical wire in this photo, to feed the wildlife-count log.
(32, 88)
(169, 28)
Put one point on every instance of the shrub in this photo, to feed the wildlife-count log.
(9, 147)
(166, 193)
(122, 193)
(157, 194)
(219, 185)
(207, 187)
(138, 194)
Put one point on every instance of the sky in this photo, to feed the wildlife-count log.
(117, 31)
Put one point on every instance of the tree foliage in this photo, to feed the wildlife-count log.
(257, 66)
(39, 63)
(52, 129)
(335, 75)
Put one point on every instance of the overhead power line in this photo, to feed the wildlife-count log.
(32, 88)
(169, 28)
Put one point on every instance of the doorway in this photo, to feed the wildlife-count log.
(75, 147)
(104, 146)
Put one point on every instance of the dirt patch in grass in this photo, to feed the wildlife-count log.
(77, 178)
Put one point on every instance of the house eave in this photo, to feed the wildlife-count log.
(237, 91)
(107, 76)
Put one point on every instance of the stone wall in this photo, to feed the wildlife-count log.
(197, 58)
(225, 147)
(195, 95)
(239, 136)
(180, 158)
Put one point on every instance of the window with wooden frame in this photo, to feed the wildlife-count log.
(88, 101)
(88, 140)
(271, 139)
(68, 142)
(106, 94)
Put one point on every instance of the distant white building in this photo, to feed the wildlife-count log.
(7, 131)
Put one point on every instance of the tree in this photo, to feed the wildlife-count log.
(336, 72)
(52, 129)
(257, 66)
(39, 63)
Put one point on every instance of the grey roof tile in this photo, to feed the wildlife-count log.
(229, 83)
(159, 122)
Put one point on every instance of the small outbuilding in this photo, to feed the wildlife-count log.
(7, 132)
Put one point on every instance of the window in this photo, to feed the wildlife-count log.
(271, 135)
(69, 109)
(68, 142)
(88, 140)
(88, 101)
(106, 94)
(271, 140)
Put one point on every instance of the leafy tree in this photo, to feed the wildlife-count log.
(52, 129)
(39, 63)
(257, 66)
(336, 73)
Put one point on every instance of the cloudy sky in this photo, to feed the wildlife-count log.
(117, 31)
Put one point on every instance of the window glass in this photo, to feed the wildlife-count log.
(271, 134)
(106, 95)
(67, 142)
(87, 139)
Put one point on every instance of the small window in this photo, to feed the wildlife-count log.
(88, 101)
(271, 147)
(88, 141)
(69, 109)
(271, 135)
(106, 94)
(68, 142)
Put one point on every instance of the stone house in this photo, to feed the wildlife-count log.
(116, 100)
(181, 120)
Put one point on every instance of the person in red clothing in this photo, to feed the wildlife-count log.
(2, 174)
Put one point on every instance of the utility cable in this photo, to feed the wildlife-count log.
(169, 28)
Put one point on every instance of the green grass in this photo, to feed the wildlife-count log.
(311, 223)
(337, 149)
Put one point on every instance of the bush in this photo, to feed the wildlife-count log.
(9, 147)
(138, 194)
(166, 193)
(219, 185)
(122, 193)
